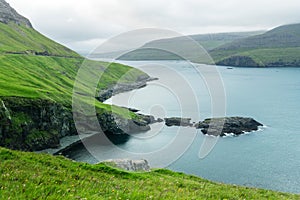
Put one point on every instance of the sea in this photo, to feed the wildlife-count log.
(268, 158)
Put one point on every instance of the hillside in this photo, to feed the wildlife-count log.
(150, 51)
(39, 176)
(277, 47)
(36, 85)
(208, 41)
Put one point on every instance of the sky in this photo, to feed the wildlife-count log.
(84, 25)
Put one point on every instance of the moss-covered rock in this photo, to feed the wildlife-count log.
(37, 124)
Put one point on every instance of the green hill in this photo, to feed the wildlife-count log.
(36, 85)
(278, 47)
(39, 176)
(208, 41)
(181, 45)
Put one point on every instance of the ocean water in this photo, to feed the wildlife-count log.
(268, 158)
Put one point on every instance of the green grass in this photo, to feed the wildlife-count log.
(40, 176)
(51, 77)
(19, 39)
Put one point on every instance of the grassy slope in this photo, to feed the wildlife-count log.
(24, 74)
(207, 41)
(15, 38)
(280, 45)
(38, 176)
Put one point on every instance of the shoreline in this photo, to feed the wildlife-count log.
(67, 142)
(118, 88)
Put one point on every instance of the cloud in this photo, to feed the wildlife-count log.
(79, 24)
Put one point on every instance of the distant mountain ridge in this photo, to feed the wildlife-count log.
(152, 50)
(8, 14)
(283, 36)
(278, 47)
(208, 41)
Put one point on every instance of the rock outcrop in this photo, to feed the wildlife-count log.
(33, 124)
(36, 124)
(228, 125)
(129, 165)
(239, 61)
(10, 15)
(177, 121)
(124, 87)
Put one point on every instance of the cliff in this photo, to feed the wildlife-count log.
(36, 88)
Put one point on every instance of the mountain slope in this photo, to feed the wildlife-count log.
(36, 85)
(277, 47)
(8, 14)
(207, 41)
(38, 176)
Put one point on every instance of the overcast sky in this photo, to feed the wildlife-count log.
(83, 25)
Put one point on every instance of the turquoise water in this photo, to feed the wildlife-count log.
(269, 158)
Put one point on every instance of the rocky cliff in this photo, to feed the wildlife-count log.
(37, 124)
(10, 15)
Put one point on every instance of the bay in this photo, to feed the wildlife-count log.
(269, 158)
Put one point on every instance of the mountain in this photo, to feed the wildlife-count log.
(36, 86)
(182, 46)
(208, 41)
(9, 15)
(278, 47)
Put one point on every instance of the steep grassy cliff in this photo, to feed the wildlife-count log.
(36, 85)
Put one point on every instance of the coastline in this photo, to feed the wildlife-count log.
(67, 142)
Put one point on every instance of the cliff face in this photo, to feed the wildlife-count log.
(28, 124)
(8, 15)
(37, 124)
(239, 61)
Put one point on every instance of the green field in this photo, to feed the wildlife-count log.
(38, 176)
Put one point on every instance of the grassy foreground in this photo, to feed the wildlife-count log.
(38, 176)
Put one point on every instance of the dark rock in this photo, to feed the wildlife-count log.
(8, 14)
(177, 121)
(226, 125)
(36, 124)
(33, 124)
(149, 119)
(239, 61)
(124, 87)
(159, 120)
(133, 110)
